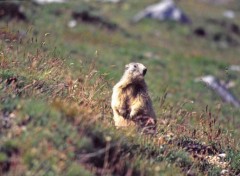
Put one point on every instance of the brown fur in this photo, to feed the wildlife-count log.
(131, 103)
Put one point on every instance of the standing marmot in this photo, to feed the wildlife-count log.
(131, 103)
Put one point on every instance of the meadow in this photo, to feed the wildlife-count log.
(56, 83)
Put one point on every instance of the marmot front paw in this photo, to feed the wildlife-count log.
(124, 113)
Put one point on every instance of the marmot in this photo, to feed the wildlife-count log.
(131, 103)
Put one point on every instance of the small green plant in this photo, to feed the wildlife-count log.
(234, 158)
(214, 171)
(3, 157)
(55, 91)
(75, 169)
(182, 158)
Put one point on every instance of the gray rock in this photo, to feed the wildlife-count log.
(162, 11)
(213, 83)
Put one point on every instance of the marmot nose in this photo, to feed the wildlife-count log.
(144, 71)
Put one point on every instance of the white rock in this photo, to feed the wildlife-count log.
(229, 14)
(222, 155)
(42, 2)
(224, 171)
(216, 85)
(208, 79)
(164, 10)
(72, 23)
(235, 68)
(112, 1)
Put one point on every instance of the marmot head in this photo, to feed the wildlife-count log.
(136, 71)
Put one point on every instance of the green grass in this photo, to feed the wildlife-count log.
(55, 89)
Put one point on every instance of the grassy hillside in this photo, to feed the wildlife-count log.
(56, 81)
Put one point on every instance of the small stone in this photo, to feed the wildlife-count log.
(72, 23)
(222, 155)
(12, 115)
(229, 14)
(224, 172)
(108, 138)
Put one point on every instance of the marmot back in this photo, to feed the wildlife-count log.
(131, 103)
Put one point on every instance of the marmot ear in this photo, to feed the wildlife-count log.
(126, 67)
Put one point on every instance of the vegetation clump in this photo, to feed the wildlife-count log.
(55, 89)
